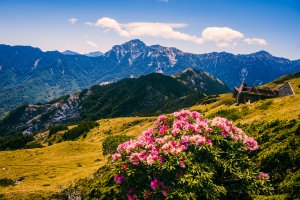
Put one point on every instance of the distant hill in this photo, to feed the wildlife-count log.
(70, 53)
(151, 94)
(29, 75)
(94, 54)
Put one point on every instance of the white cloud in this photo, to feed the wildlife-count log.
(164, 1)
(224, 37)
(91, 43)
(109, 23)
(72, 20)
(256, 41)
(152, 29)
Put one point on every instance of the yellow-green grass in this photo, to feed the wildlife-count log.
(47, 169)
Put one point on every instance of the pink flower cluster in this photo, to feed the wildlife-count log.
(233, 132)
(172, 135)
(155, 183)
(263, 176)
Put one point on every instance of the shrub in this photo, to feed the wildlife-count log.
(130, 124)
(279, 153)
(110, 143)
(231, 114)
(6, 182)
(55, 128)
(33, 145)
(18, 141)
(265, 105)
(185, 156)
(81, 129)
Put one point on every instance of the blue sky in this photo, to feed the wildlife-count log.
(197, 26)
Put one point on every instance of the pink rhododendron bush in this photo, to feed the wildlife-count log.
(185, 156)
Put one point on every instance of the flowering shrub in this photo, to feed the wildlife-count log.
(185, 156)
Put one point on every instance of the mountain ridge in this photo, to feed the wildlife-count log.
(29, 75)
(146, 95)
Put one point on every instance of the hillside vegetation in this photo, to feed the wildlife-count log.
(148, 95)
(274, 123)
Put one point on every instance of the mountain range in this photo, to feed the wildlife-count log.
(29, 75)
(152, 94)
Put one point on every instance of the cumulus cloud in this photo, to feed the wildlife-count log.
(91, 43)
(72, 20)
(223, 37)
(164, 1)
(256, 41)
(152, 29)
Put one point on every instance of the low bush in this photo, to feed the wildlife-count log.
(33, 145)
(231, 114)
(279, 153)
(81, 129)
(56, 128)
(18, 141)
(6, 182)
(130, 124)
(265, 105)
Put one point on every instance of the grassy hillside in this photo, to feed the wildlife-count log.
(284, 108)
(45, 170)
(41, 171)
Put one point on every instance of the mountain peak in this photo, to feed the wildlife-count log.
(189, 70)
(69, 52)
(135, 42)
(131, 49)
(132, 45)
(262, 53)
(94, 54)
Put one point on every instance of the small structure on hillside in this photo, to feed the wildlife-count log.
(246, 94)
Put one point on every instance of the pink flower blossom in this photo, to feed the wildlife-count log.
(263, 176)
(154, 184)
(163, 129)
(143, 155)
(251, 144)
(165, 191)
(162, 118)
(134, 158)
(195, 115)
(116, 156)
(181, 163)
(119, 178)
(124, 166)
(150, 160)
(131, 197)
